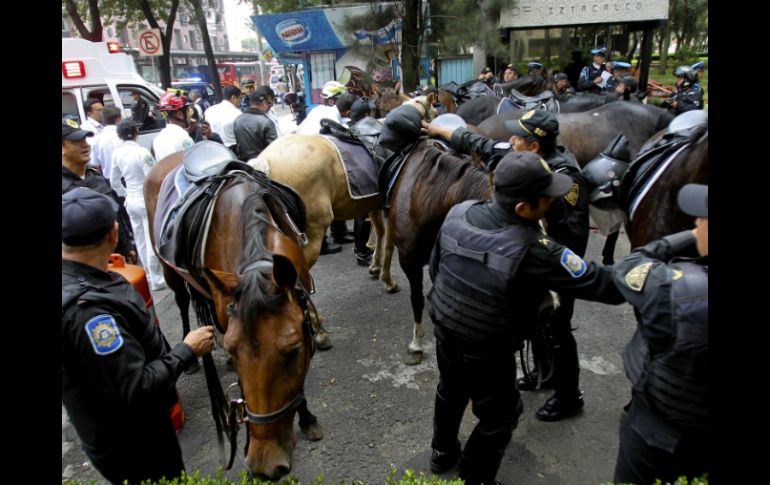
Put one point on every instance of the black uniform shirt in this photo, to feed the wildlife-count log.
(118, 374)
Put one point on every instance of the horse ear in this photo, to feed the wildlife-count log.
(284, 273)
(432, 98)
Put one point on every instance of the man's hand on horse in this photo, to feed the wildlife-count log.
(436, 130)
(201, 340)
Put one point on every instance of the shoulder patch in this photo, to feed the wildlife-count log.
(572, 196)
(573, 263)
(502, 145)
(104, 334)
(544, 241)
(637, 276)
(676, 274)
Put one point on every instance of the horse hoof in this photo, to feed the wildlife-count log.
(374, 271)
(394, 288)
(312, 432)
(413, 358)
(323, 341)
(194, 367)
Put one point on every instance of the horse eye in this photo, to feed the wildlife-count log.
(292, 353)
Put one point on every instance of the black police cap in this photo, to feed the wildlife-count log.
(86, 216)
(693, 199)
(535, 123)
(73, 134)
(525, 174)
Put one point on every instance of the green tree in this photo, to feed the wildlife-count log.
(250, 44)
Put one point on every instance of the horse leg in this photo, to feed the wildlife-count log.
(182, 299)
(308, 423)
(388, 245)
(608, 253)
(379, 234)
(414, 274)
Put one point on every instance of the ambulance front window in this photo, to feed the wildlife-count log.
(146, 115)
(69, 108)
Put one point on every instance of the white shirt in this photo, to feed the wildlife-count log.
(312, 124)
(221, 117)
(132, 162)
(101, 151)
(271, 114)
(94, 127)
(171, 139)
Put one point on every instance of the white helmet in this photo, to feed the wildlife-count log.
(332, 89)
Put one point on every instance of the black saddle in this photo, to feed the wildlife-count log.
(365, 133)
(683, 131)
(183, 235)
(468, 90)
(544, 100)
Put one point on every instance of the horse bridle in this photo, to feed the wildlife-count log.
(236, 410)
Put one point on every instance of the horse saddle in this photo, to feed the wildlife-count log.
(365, 133)
(468, 90)
(391, 170)
(182, 236)
(653, 159)
(545, 101)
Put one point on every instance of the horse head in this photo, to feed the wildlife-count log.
(448, 100)
(424, 105)
(262, 297)
(387, 101)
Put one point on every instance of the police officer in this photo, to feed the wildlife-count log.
(665, 430)
(488, 77)
(593, 76)
(699, 68)
(491, 267)
(75, 154)
(253, 129)
(118, 371)
(688, 95)
(247, 88)
(618, 70)
(561, 87)
(567, 221)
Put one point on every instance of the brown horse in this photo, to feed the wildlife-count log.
(387, 100)
(432, 180)
(657, 214)
(257, 278)
(587, 134)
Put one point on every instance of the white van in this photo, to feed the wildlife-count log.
(100, 70)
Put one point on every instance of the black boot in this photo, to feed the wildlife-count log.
(329, 247)
(559, 407)
(340, 233)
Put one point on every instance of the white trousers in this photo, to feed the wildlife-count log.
(150, 262)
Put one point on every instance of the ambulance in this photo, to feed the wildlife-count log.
(101, 70)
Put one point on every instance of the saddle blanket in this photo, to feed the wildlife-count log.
(360, 171)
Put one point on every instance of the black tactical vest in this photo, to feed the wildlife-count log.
(473, 293)
(675, 381)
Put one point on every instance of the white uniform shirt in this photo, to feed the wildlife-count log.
(221, 117)
(171, 139)
(94, 127)
(132, 162)
(271, 114)
(101, 151)
(312, 124)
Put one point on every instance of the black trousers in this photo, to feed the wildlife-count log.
(641, 463)
(361, 230)
(138, 455)
(560, 341)
(338, 230)
(486, 377)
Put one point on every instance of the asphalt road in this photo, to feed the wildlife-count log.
(377, 412)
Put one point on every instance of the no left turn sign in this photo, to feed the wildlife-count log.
(149, 43)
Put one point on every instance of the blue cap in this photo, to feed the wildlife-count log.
(599, 51)
(534, 65)
(699, 66)
(693, 199)
(86, 216)
(620, 65)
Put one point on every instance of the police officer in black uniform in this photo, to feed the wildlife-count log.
(491, 267)
(567, 223)
(76, 152)
(562, 88)
(590, 79)
(118, 371)
(688, 95)
(666, 428)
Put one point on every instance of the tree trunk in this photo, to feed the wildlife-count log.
(410, 47)
(95, 34)
(665, 37)
(632, 51)
(165, 60)
(212, 63)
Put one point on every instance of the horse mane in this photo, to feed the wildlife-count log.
(442, 170)
(255, 290)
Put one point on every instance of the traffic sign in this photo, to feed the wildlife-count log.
(150, 43)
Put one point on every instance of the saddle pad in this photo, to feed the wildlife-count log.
(506, 105)
(360, 171)
(167, 197)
